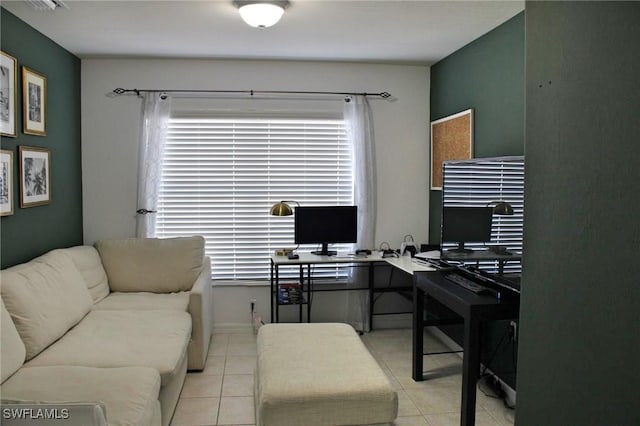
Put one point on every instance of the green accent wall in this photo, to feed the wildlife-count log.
(579, 326)
(488, 76)
(33, 231)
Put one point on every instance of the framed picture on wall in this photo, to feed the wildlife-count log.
(6, 182)
(35, 176)
(34, 102)
(8, 69)
(451, 139)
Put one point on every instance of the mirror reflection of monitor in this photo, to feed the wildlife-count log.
(326, 225)
(466, 225)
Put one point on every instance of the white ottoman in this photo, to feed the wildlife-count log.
(319, 374)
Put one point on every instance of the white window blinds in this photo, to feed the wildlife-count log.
(475, 183)
(221, 176)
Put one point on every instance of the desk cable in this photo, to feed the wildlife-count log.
(495, 387)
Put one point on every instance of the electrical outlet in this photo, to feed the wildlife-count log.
(514, 330)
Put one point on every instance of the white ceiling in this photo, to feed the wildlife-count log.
(395, 31)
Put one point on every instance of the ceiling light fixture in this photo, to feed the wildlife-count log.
(47, 4)
(261, 14)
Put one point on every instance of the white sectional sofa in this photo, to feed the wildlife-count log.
(119, 324)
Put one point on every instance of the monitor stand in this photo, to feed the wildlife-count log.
(460, 249)
(325, 251)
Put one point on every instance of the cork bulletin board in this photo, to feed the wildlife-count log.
(451, 139)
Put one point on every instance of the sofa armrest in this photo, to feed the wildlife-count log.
(201, 310)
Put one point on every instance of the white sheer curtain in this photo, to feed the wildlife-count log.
(156, 109)
(359, 124)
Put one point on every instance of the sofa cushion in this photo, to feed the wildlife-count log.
(144, 301)
(45, 297)
(89, 264)
(155, 339)
(130, 394)
(152, 264)
(12, 351)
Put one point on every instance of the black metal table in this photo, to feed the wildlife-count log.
(307, 260)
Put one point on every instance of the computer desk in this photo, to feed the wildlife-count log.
(404, 263)
(474, 310)
(307, 260)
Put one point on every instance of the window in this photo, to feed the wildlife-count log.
(221, 175)
(477, 182)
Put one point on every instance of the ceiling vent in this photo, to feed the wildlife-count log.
(47, 4)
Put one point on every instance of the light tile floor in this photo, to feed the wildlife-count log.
(222, 394)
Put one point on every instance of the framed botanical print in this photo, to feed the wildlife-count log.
(6, 182)
(8, 69)
(35, 176)
(34, 102)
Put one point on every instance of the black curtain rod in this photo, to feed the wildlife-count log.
(121, 91)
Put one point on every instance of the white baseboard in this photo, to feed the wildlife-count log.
(452, 345)
(392, 321)
(379, 322)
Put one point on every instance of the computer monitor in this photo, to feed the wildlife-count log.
(465, 225)
(326, 225)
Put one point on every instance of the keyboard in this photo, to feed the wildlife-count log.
(467, 283)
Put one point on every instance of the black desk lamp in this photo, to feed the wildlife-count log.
(500, 208)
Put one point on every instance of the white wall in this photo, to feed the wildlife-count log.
(110, 128)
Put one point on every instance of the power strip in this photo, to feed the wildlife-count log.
(495, 386)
